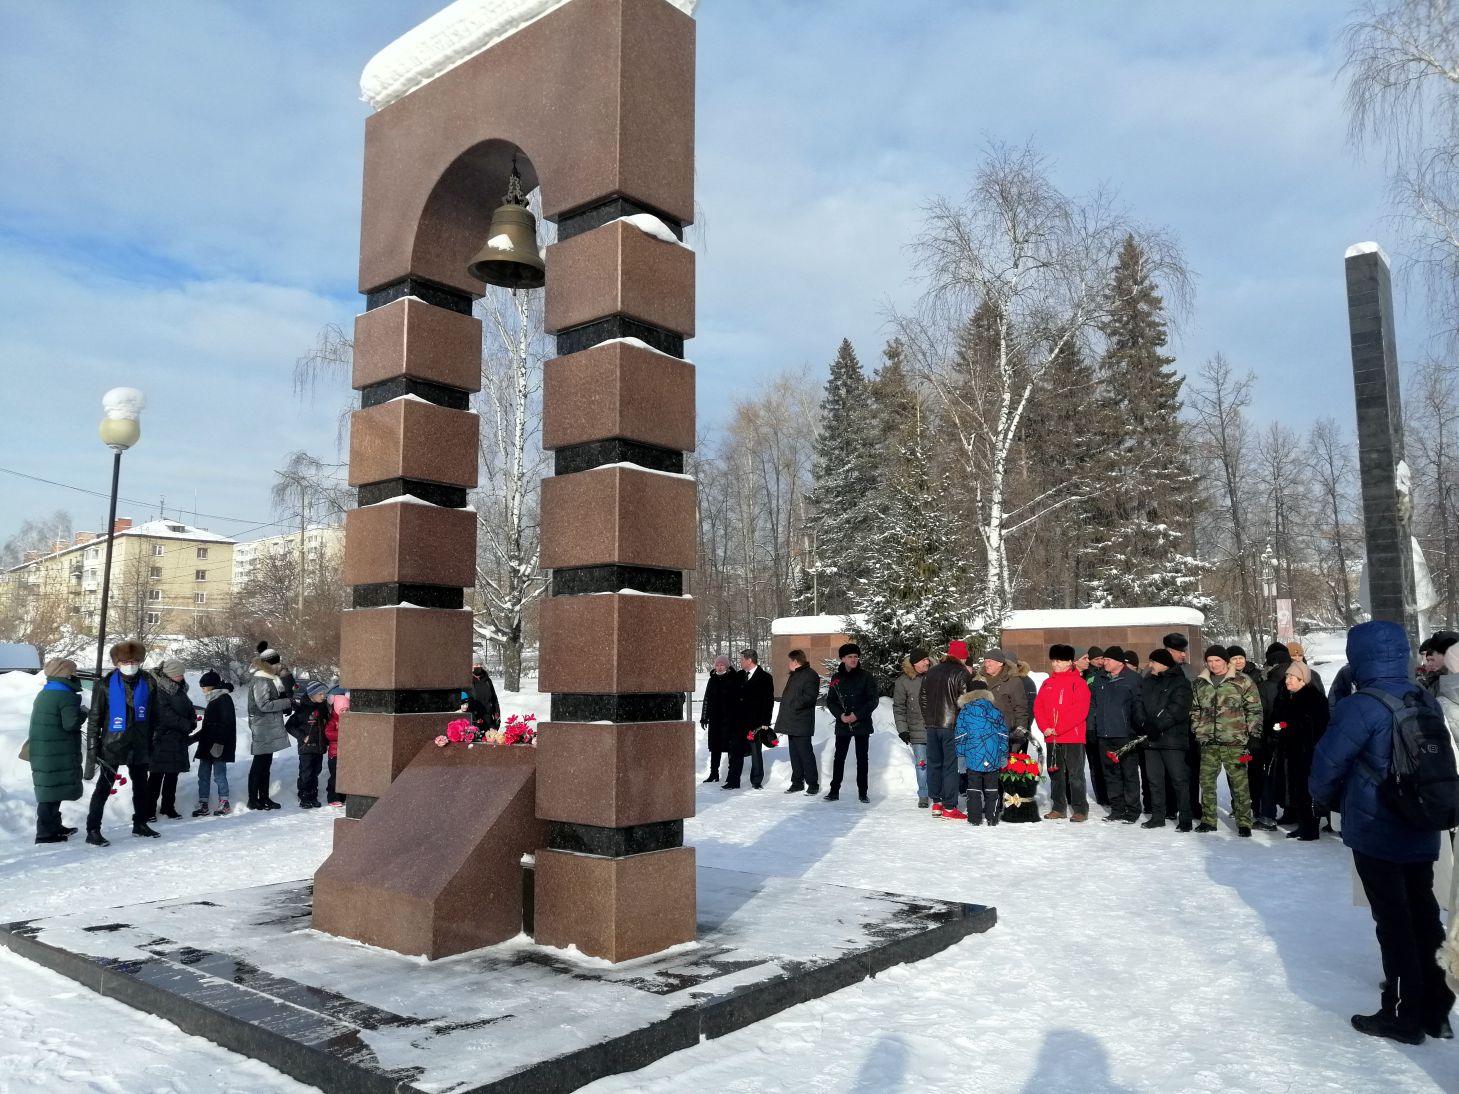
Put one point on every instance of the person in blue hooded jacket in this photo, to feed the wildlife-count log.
(1394, 860)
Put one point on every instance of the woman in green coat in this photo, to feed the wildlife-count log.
(55, 749)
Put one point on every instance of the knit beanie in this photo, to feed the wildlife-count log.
(1218, 651)
(1162, 657)
(1114, 653)
(1277, 654)
(315, 690)
(1094, 653)
(210, 679)
(916, 655)
(173, 667)
(958, 649)
(1234, 651)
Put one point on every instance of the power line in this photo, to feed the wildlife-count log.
(131, 501)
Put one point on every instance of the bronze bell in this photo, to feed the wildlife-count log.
(510, 257)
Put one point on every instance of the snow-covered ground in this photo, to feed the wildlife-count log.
(1123, 960)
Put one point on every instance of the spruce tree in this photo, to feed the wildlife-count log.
(841, 515)
(1141, 548)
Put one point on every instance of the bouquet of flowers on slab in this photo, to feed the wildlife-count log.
(519, 730)
(1020, 780)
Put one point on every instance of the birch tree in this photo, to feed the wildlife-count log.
(1038, 263)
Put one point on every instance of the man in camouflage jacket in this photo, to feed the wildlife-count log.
(1225, 718)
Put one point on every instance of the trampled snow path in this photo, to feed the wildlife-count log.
(1123, 960)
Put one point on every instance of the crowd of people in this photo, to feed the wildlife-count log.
(1153, 741)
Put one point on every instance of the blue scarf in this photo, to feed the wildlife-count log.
(116, 702)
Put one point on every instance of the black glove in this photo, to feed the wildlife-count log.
(905, 737)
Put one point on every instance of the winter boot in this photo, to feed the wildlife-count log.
(96, 839)
(201, 810)
(795, 788)
(1243, 831)
(139, 828)
(1266, 824)
(1183, 826)
(58, 838)
(223, 808)
(1079, 818)
(171, 814)
(1054, 814)
(1153, 822)
(863, 799)
(832, 796)
(1384, 1024)
(269, 803)
(1204, 827)
(923, 803)
(1440, 1030)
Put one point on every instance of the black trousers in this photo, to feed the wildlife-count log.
(47, 819)
(162, 790)
(259, 777)
(1167, 772)
(1193, 782)
(1066, 785)
(1406, 920)
(142, 804)
(714, 763)
(737, 764)
(1097, 788)
(985, 796)
(1121, 780)
(803, 763)
(838, 767)
(310, 764)
(329, 792)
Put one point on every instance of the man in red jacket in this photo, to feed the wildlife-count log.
(1060, 710)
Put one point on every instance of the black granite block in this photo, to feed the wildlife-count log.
(388, 593)
(636, 839)
(581, 580)
(404, 700)
(595, 216)
(584, 457)
(396, 387)
(577, 339)
(357, 805)
(451, 497)
(573, 707)
(438, 296)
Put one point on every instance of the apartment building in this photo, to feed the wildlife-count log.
(164, 574)
(320, 545)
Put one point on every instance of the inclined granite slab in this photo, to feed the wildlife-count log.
(246, 969)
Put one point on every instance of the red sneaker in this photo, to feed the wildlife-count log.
(937, 809)
(954, 814)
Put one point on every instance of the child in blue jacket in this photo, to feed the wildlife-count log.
(981, 740)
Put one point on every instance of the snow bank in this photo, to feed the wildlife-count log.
(454, 34)
(1043, 619)
(815, 624)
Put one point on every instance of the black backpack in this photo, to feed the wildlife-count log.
(1422, 784)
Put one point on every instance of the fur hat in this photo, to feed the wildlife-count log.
(210, 679)
(1176, 641)
(847, 649)
(957, 649)
(1295, 650)
(128, 651)
(916, 655)
(1277, 654)
(1061, 652)
(1218, 651)
(59, 667)
(1162, 657)
(1439, 642)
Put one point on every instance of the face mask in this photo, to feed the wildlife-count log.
(128, 670)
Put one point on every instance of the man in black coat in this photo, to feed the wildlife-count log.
(757, 704)
(1094, 670)
(796, 722)
(1178, 646)
(1165, 700)
(1115, 716)
(851, 698)
(945, 683)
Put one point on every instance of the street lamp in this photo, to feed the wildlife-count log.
(121, 427)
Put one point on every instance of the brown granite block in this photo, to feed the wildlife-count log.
(619, 270)
(409, 337)
(619, 515)
(611, 113)
(374, 748)
(618, 390)
(614, 776)
(434, 868)
(615, 908)
(400, 647)
(413, 439)
(410, 542)
(611, 643)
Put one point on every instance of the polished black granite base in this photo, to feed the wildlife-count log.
(244, 969)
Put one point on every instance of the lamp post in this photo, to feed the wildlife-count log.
(121, 427)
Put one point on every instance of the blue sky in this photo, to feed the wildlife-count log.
(179, 201)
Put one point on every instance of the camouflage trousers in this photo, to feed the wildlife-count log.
(1213, 759)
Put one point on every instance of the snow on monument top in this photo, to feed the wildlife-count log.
(454, 34)
(1366, 249)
